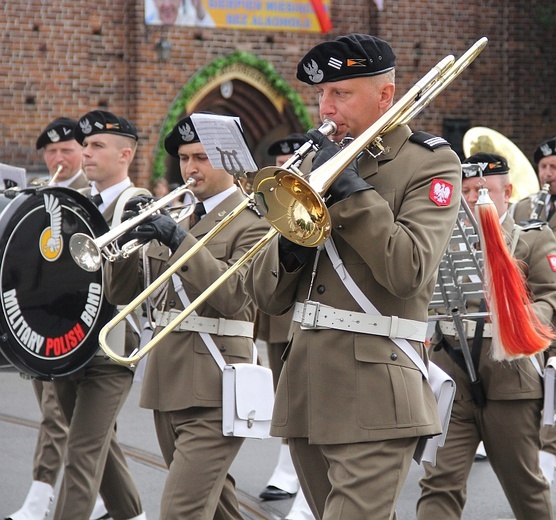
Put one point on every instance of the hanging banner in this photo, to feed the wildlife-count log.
(272, 15)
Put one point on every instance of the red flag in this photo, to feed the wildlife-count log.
(322, 15)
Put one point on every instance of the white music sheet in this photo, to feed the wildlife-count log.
(224, 142)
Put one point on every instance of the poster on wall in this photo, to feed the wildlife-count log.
(275, 15)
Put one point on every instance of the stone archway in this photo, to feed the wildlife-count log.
(242, 86)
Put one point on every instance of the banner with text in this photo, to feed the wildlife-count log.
(275, 15)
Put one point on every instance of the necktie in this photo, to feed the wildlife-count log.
(197, 214)
(97, 199)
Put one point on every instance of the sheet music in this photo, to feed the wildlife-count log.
(224, 143)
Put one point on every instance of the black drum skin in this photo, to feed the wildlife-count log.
(51, 310)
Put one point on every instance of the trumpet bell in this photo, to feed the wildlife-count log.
(292, 206)
(522, 174)
(85, 252)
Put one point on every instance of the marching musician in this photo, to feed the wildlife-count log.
(283, 483)
(182, 381)
(91, 397)
(508, 419)
(543, 207)
(352, 404)
(59, 149)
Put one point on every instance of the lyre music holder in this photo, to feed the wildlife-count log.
(460, 279)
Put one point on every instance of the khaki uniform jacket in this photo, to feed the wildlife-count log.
(516, 379)
(342, 387)
(181, 372)
(79, 182)
(521, 211)
(131, 336)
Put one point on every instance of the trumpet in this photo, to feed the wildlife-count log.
(293, 205)
(89, 252)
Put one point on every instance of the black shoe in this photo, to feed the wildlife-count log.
(274, 493)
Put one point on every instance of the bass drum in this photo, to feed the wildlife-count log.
(52, 310)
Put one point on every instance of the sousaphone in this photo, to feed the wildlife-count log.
(522, 174)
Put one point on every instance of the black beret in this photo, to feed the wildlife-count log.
(351, 56)
(287, 145)
(484, 164)
(57, 131)
(183, 133)
(102, 122)
(545, 149)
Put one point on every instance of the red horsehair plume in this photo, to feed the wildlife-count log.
(517, 331)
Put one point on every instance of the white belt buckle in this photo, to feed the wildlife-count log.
(309, 315)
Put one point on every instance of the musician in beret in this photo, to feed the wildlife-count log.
(542, 207)
(92, 397)
(183, 382)
(545, 161)
(283, 482)
(506, 414)
(351, 402)
(59, 148)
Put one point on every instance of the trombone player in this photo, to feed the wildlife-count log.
(352, 404)
(182, 382)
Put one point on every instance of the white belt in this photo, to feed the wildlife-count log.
(218, 326)
(313, 315)
(449, 329)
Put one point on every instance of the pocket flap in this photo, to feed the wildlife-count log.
(254, 391)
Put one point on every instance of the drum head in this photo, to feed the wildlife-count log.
(52, 310)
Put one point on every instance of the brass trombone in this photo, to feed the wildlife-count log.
(88, 252)
(294, 205)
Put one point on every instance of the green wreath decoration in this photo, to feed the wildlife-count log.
(201, 78)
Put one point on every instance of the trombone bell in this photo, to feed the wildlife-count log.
(292, 206)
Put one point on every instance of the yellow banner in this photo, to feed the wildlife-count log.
(275, 15)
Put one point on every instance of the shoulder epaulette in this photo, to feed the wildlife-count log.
(432, 142)
(535, 224)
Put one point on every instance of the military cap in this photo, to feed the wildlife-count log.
(484, 164)
(57, 131)
(351, 56)
(102, 122)
(183, 133)
(545, 149)
(287, 145)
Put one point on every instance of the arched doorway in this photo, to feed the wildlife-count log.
(240, 85)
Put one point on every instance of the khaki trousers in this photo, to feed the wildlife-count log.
(510, 433)
(198, 456)
(53, 431)
(353, 481)
(91, 399)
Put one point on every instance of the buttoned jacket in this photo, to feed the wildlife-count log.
(338, 386)
(181, 372)
(516, 379)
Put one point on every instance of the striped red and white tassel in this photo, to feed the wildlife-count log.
(517, 331)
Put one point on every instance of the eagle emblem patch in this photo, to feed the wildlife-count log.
(441, 192)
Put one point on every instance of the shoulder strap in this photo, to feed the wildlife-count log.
(367, 305)
(128, 193)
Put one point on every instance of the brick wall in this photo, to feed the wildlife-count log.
(67, 57)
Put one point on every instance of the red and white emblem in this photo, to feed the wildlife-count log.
(441, 192)
(552, 261)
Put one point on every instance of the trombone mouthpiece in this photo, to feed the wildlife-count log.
(328, 127)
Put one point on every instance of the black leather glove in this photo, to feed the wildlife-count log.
(132, 206)
(348, 181)
(292, 256)
(161, 227)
